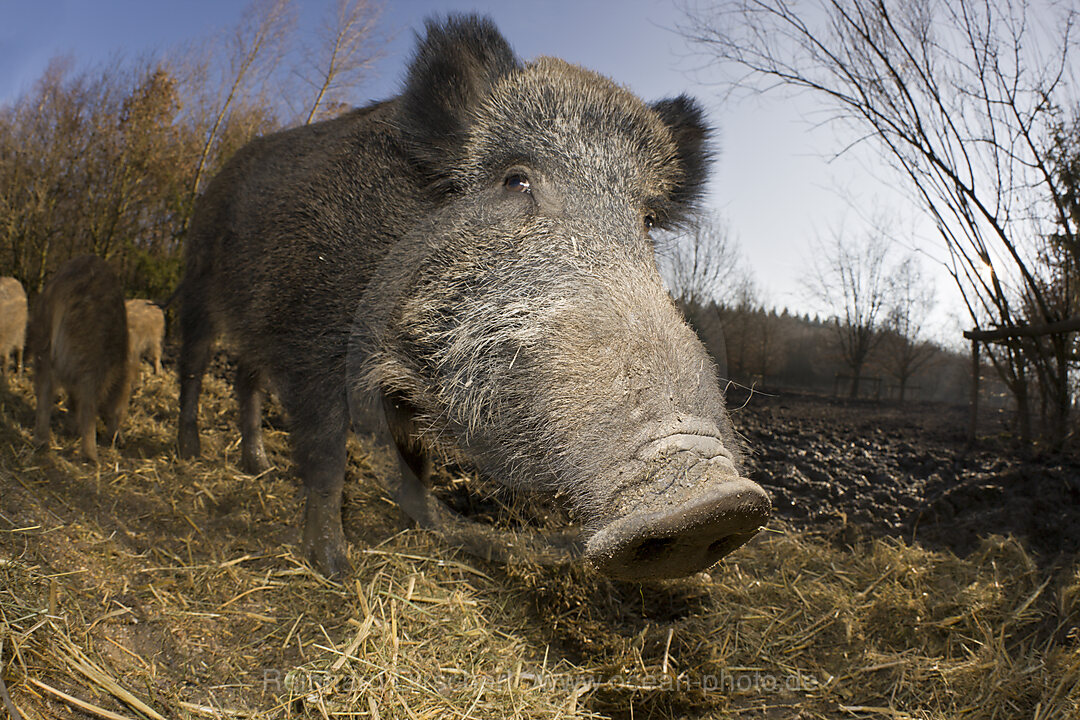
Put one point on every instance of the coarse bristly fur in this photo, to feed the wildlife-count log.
(78, 339)
(482, 242)
(146, 331)
(12, 322)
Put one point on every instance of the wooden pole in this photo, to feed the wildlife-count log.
(974, 404)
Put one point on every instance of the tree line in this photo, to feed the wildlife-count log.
(109, 161)
(871, 341)
(774, 350)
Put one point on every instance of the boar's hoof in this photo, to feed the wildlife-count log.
(254, 462)
(681, 540)
(324, 539)
(330, 560)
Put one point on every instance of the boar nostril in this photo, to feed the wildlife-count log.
(719, 545)
(652, 547)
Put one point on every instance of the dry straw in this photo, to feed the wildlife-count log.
(153, 588)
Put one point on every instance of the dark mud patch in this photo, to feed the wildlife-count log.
(905, 471)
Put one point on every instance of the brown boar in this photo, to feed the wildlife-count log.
(78, 339)
(473, 259)
(146, 331)
(12, 322)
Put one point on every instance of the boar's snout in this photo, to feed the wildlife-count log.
(686, 510)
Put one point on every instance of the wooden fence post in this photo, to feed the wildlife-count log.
(974, 404)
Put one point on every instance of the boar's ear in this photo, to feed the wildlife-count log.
(685, 118)
(453, 70)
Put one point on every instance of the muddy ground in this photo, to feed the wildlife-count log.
(907, 471)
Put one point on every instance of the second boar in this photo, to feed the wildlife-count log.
(146, 331)
(78, 339)
(12, 322)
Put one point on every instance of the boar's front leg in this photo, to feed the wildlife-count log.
(46, 393)
(86, 418)
(197, 335)
(400, 418)
(249, 397)
(319, 427)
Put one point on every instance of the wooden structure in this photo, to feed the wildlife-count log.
(1004, 335)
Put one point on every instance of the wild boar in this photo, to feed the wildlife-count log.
(12, 322)
(146, 331)
(78, 339)
(474, 258)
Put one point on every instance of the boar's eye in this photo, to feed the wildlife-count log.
(517, 181)
(650, 222)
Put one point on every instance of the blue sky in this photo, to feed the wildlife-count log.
(771, 181)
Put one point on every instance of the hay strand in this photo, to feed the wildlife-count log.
(81, 704)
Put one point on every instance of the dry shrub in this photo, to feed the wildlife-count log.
(152, 585)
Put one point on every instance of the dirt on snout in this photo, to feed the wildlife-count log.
(906, 471)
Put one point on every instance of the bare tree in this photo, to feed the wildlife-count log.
(704, 271)
(110, 160)
(255, 48)
(34, 170)
(910, 300)
(850, 278)
(702, 265)
(94, 162)
(961, 99)
(343, 53)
